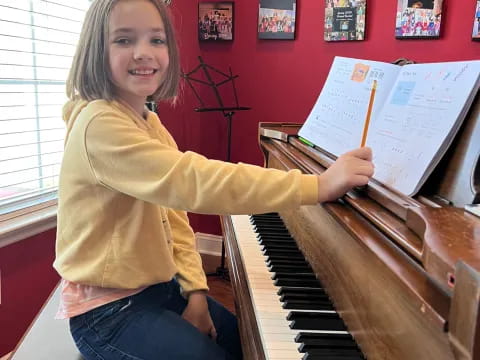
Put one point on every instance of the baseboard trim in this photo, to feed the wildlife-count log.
(209, 244)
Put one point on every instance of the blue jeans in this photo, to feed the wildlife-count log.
(149, 326)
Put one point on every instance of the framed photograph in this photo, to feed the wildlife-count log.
(276, 19)
(215, 21)
(476, 23)
(344, 20)
(418, 19)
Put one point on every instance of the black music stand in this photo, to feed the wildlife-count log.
(227, 112)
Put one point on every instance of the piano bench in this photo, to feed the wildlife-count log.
(47, 338)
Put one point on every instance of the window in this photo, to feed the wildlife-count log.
(37, 44)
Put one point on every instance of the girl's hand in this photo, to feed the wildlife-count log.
(351, 169)
(197, 314)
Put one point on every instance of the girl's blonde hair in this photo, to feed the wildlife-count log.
(90, 77)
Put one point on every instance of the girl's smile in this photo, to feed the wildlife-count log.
(142, 72)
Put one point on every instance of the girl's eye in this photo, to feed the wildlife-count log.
(158, 41)
(123, 41)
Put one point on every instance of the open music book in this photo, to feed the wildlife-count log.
(417, 109)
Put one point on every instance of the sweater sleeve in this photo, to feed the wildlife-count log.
(190, 273)
(127, 159)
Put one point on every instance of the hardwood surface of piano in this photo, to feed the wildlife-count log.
(402, 272)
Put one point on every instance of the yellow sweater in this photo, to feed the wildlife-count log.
(124, 189)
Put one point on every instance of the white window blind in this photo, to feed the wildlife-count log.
(37, 44)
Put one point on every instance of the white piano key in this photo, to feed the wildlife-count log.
(283, 355)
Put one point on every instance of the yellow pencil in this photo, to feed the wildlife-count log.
(369, 114)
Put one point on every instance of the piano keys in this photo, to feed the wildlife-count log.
(293, 312)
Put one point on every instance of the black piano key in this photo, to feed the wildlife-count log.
(276, 239)
(273, 215)
(279, 261)
(285, 241)
(271, 231)
(289, 295)
(305, 336)
(279, 247)
(289, 268)
(267, 242)
(306, 301)
(325, 344)
(288, 252)
(275, 262)
(285, 260)
(304, 297)
(272, 235)
(307, 305)
(325, 341)
(273, 255)
(267, 222)
(300, 290)
(271, 258)
(270, 224)
(294, 282)
(274, 226)
(325, 355)
(266, 216)
(297, 276)
(335, 352)
(315, 321)
(265, 236)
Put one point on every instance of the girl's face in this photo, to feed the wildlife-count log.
(138, 52)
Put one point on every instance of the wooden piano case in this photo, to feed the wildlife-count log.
(402, 272)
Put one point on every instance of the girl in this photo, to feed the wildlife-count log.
(133, 284)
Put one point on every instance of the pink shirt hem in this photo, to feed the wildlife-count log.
(76, 299)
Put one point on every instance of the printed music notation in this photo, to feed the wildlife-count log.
(417, 111)
(336, 120)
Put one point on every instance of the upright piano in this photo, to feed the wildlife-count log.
(374, 275)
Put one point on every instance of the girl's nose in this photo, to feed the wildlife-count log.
(142, 52)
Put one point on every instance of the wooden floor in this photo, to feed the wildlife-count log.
(220, 288)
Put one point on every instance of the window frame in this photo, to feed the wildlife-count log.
(32, 213)
(27, 221)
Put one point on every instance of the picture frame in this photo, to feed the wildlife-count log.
(418, 19)
(345, 20)
(215, 21)
(276, 19)
(476, 22)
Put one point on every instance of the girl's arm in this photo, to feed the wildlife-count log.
(189, 264)
(126, 159)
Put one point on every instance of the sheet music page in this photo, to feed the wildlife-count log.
(419, 119)
(336, 121)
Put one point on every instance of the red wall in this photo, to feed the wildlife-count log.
(280, 80)
(27, 278)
